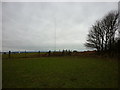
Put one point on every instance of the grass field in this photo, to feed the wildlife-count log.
(59, 72)
(22, 55)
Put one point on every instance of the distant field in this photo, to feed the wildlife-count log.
(59, 72)
(23, 55)
(45, 54)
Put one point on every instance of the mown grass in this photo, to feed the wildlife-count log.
(60, 72)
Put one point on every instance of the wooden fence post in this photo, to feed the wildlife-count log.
(39, 53)
(9, 54)
(25, 53)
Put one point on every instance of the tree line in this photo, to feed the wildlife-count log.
(104, 35)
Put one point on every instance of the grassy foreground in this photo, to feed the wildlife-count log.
(59, 72)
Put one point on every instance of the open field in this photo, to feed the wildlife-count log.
(60, 72)
(22, 55)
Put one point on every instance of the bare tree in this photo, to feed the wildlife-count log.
(95, 37)
(102, 34)
(110, 25)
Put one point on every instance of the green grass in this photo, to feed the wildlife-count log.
(60, 72)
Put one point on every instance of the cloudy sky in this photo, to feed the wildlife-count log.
(49, 26)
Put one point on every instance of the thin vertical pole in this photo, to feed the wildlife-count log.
(55, 33)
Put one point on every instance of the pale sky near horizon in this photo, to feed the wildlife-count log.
(34, 25)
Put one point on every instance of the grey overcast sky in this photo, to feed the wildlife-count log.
(46, 26)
